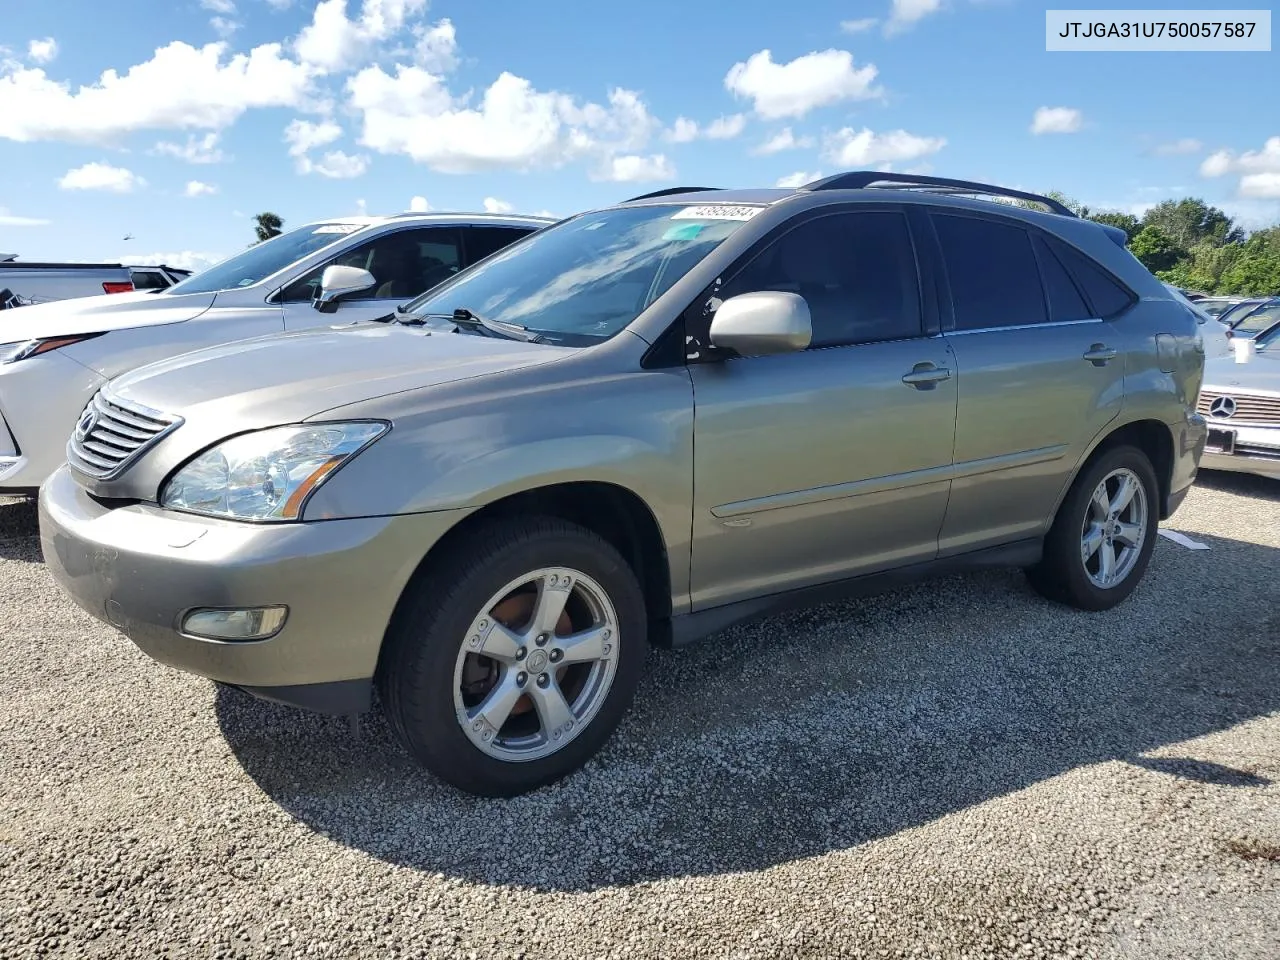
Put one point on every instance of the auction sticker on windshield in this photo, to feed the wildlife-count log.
(709, 212)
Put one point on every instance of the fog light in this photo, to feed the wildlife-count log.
(254, 623)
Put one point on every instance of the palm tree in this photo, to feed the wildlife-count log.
(268, 226)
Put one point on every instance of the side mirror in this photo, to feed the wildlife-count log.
(338, 282)
(756, 324)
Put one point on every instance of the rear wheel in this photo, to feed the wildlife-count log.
(513, 659)
(1101, 540)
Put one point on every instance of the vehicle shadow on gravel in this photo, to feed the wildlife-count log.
(19, 531)
(820, 730)
(1241, 484)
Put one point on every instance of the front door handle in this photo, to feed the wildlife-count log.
(926, 376)
(1099, 354)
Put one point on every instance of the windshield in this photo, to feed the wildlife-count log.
(263, 259)
(582, 281)
(1259, 320)
(1243, 309)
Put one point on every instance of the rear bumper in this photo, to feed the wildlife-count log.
(143, 569)
(1189, 438)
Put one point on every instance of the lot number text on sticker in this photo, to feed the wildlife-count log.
(716, 213)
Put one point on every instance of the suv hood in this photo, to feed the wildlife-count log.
(286, 378)
(1261, 373)
(108, 311)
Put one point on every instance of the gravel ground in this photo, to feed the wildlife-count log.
(954, 770)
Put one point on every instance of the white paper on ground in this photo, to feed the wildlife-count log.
(1184, 540)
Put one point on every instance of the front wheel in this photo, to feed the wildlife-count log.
(1101, 540)
(512, 660)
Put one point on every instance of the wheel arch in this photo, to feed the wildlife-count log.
(1152, 437)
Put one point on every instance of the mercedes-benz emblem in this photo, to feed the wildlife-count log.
(88, 420)
(1222, 407)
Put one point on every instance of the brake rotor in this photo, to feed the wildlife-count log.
(514, 612)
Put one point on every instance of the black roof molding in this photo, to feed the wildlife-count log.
(669, 192)
(860, 179)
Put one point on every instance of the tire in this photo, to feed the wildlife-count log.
(426, 676)
(1065, 574)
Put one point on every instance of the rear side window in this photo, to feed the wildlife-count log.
(1105, 295)
(1065, 302)
(992, 271)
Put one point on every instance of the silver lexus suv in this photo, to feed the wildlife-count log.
(640, 425)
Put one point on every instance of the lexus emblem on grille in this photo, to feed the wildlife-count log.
(1222, 407)
(88, 420)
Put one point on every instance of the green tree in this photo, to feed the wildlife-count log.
(1125, 221)
(1156, 249)
(1252, 275)
(1191, 220)
(267, 225)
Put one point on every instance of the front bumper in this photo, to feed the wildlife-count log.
(1243, 449)
(141, 569)
(40, 400)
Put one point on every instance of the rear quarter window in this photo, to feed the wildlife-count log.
(1106, 295)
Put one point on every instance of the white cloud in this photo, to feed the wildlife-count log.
(512, 126)
(907, 13)
(181, 86)
(683, 130)
(436, 48)
(633, 168)
(494, 205)
(225, 7)
(8, 219)
(548, 214)
(1178, 147)
(196, 188)
(335, 165)
(866, 148)
(798, 179)
(1056, 120)
(804, 84)
(303, 135)
(1217, 164)
(858, 26)
(101, 176)
(726, 128)
(1261, 186)
(419, 205)
(335, 43)
(42, 51)
(784, 139)
(182, 259)
(224, 26)
(197, 149)
(280, 4)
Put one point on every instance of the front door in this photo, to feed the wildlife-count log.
(404, 263)
(815, 466)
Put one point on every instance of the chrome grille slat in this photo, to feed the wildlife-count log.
(1250, 408)
(118, 434)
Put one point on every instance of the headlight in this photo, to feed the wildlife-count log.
(13, 352)
(267, 475)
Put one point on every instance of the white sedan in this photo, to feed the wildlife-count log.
(54, 357)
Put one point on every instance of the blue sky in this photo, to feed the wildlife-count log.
(176, 127)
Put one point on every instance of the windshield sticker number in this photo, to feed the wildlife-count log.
(709, 212)
(338, 228)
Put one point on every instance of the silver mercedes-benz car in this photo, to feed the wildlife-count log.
(642, 424)
(1241, 402)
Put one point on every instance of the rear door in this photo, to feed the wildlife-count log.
(1041, 371)
(815, 466)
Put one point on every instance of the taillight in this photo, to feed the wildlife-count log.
(109, 286)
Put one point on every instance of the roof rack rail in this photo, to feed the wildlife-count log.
(670, 191)
(859, 179)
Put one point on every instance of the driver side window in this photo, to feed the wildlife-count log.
(404, 264)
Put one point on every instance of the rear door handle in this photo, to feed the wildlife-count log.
(1099, 354)
(926, 376)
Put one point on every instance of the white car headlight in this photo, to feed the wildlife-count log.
(269, 474)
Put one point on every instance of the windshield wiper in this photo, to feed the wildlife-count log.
(511, 331)
(399, 316)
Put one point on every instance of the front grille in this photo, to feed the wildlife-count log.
(1247, 408)
(112, 433)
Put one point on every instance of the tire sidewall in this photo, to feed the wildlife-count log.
(435, 734)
